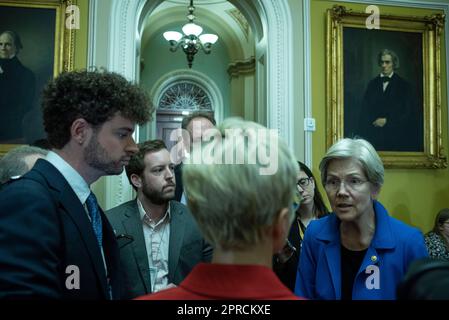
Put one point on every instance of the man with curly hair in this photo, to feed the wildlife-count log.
(56, 241)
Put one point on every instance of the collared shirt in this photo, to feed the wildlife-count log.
(183, 198)
(76, 182)
(74, 179)
(157, 237)
(385, 84)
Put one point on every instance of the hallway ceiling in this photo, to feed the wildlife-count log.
(216, 16)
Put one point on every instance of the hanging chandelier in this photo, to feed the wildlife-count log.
(192, 39)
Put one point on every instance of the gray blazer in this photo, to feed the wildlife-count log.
(186, 246)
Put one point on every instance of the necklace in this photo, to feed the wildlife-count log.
(301, 232)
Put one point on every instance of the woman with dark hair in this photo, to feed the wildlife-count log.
(437, 240)
(312, 207)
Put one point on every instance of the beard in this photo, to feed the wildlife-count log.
(97, 157)
(157, 197)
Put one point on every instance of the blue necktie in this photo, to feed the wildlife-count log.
(94, 213)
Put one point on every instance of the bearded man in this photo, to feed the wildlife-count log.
(159, 240)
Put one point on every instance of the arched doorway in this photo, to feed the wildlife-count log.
(271, 21)
(179, 93)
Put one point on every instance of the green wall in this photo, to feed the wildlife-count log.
(81, 35)
(413, 196)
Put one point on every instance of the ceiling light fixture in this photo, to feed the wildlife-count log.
(192, 40)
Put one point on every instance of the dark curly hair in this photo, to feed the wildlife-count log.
(95, 96)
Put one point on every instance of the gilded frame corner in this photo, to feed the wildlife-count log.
(64, 38)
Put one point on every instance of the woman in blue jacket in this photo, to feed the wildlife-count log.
(358, 251)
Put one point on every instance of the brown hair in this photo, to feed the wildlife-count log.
(319, 206)
(136, 164)
(197, 114)
(95, 96)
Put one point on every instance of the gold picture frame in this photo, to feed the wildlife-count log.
(418, 143)
(48, 49)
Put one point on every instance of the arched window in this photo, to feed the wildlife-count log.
(184, 96)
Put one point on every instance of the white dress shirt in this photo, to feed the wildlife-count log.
(385, 84)
(156, 237)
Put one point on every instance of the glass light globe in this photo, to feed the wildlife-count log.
(208, 38)
(172, 35)
(191, 28)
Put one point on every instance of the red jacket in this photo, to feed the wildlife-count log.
(221, 281)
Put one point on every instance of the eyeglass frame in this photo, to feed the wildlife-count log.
(308, 179)
(353, 187)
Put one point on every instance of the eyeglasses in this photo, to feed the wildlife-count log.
(303, 182)
(354, 184)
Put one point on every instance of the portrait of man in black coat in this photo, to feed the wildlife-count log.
(17, 89)
(391, 116)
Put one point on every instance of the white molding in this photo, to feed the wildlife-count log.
(123, 38)
(279, 67)
(122, 59)
(308, 147)
(92, 32)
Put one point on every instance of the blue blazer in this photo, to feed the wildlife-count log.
(394, 246)
(44, 229)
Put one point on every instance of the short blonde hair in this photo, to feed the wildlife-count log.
(234, 203)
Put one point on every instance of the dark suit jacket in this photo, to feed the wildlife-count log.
(398, 103)
(179, 186)
(17, 93)
(186, 246)
(287, 271)
(44, 229)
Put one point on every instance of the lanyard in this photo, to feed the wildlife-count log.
(301, 233)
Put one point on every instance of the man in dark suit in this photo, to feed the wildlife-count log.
(17, 89)
(159, 240)
(195, 125)
(56, 241)
(390, 117)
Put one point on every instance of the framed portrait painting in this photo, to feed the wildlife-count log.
(384, 85)
(35, 46)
